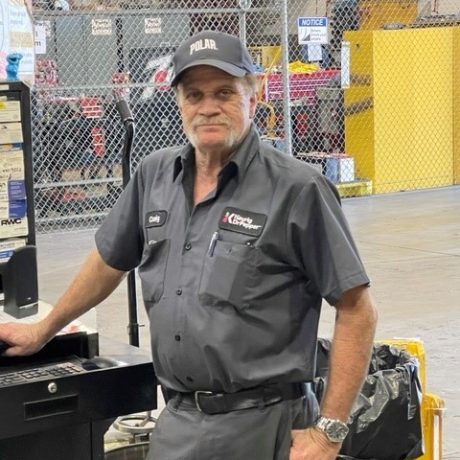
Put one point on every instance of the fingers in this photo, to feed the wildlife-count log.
(309, 444)
(18, 339)
(3, 346)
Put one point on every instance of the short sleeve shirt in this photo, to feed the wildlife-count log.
(233, 286)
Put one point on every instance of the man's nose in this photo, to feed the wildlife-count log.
(209, 105)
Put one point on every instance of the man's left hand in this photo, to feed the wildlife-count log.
(311, 444)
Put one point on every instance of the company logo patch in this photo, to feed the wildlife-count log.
(155, 218)
(241, 221)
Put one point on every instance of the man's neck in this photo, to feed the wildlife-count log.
(207, 168)
(209, 164)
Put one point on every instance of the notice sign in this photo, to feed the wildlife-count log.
(152, 25)
(101, 26)
(312, 30)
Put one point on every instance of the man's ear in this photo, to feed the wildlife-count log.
(253, 106)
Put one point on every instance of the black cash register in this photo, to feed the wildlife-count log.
(58, 403)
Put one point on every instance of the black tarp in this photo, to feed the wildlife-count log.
(385, 423)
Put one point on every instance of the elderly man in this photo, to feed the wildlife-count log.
(236, 245)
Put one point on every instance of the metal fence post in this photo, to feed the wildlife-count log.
(286, 83)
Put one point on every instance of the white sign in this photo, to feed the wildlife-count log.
(40, 39)
(101, 26)
(345, 65)
(312, 30)
(315, 52)
(46, 25)
(152, 25)
(16, 36)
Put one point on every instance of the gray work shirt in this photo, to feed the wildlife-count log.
(232, 286)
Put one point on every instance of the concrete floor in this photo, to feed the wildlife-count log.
(410, 243)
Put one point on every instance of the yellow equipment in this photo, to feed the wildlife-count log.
(376, 13)
(432, 405)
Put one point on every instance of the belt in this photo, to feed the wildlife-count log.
(211, 403)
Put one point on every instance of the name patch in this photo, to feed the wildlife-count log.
(241, 221)
(155, 218)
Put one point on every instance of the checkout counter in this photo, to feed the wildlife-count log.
(58, 403)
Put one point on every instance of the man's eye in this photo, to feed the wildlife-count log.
(193, 96)
(226, 93)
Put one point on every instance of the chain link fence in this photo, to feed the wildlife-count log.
(364, 90)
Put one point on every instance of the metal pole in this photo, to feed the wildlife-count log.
(242, 26)
(244, 6)
(128, 122)
(285, 66)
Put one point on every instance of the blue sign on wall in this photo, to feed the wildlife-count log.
(312, 30)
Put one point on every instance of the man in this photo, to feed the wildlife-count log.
(236, 245)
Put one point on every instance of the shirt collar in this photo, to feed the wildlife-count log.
(184, 159)
(242, 157)
(245, 153)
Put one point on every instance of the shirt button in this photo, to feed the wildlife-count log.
(177, 337)
(179, 291)
(188, 246)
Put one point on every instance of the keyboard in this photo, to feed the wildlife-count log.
(40, 373)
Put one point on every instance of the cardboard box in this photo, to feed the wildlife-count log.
(337, 167)
(10, 111)
(345, 168)
(11, 133)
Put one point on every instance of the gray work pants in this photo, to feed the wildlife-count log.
(184, 433)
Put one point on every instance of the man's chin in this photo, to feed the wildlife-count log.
(213, 145)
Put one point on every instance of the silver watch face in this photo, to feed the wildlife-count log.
(335, 430)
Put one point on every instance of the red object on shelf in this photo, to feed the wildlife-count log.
(46, 73)
(98, 141)
(302, 86)
(121, 81)
(91, 107)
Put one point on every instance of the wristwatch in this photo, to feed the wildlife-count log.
(335, 430)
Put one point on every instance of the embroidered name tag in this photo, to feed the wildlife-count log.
(238, 220)
(155, 218)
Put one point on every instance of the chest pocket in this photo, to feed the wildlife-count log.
(152, 269)
(229, 275)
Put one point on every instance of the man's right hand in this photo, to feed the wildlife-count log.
(92, 284)
(23, 339)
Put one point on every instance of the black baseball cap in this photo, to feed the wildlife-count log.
(217, 49)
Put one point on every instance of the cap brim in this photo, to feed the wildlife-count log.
(222, 65)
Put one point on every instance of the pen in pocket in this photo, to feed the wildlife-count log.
(212, 243)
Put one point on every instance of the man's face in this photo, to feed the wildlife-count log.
(216, 109)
